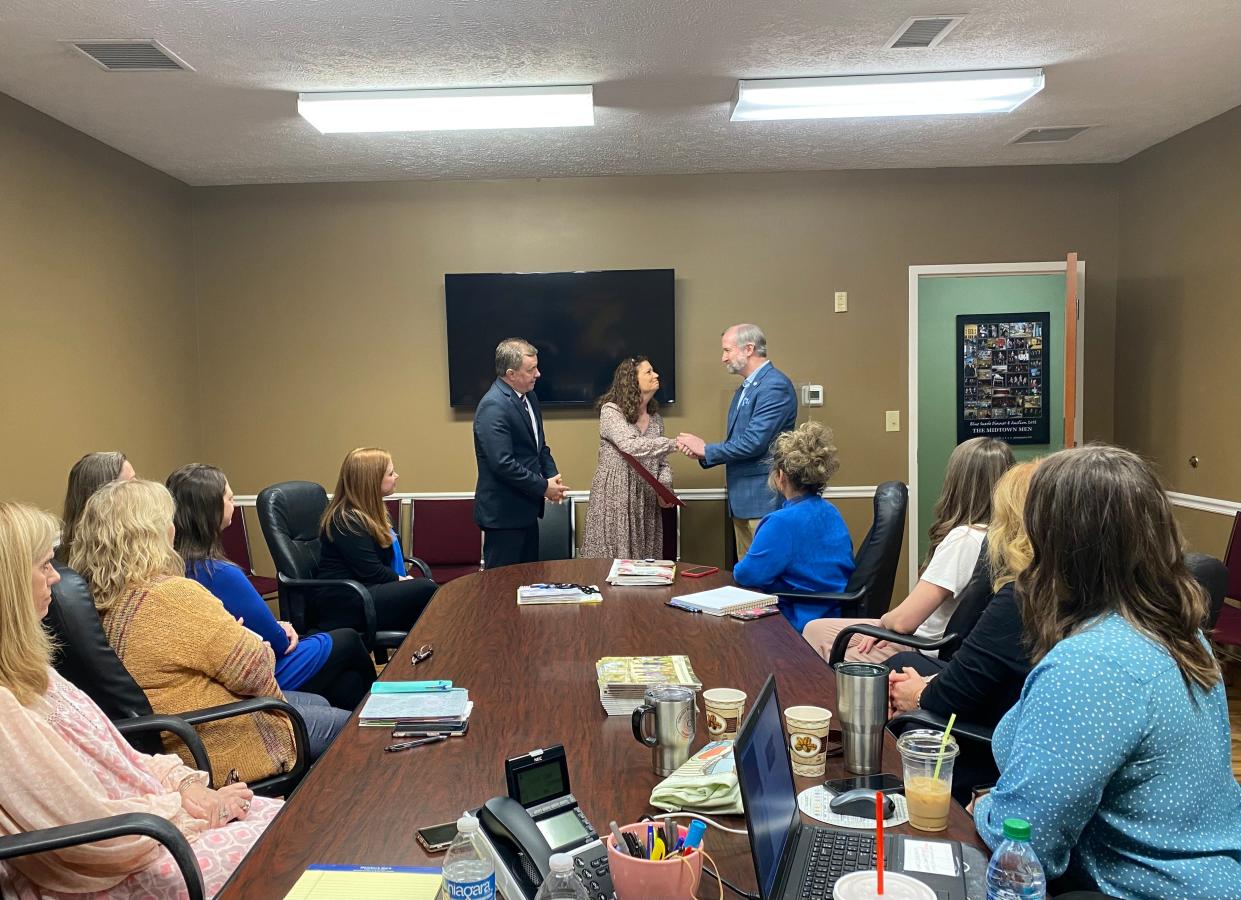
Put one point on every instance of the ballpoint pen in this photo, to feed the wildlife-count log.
(396, 748)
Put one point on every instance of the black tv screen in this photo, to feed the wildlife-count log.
(583, 324)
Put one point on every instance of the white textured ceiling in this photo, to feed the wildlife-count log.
(663, 70)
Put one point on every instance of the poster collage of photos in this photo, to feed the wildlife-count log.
(1003, 381)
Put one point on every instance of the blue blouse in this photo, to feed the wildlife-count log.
(1121, 774)
(803, 546)
(233, 589)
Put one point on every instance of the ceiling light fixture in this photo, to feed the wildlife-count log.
(875, 96)
(448, 110)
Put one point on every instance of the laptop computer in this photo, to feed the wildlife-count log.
(794, 861)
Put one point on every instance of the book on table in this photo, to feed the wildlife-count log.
(623, 680)
(721, 601)
(437, 710)
(651, 572)
(550, 594)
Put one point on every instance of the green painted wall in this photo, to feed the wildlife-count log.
(940, 300)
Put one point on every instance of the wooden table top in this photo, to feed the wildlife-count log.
(531, 675)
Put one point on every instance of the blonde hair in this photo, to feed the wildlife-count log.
(358, 503)
(806, 455)
(123, 541)
(965, 499)
(1008, 545)
(27, 535)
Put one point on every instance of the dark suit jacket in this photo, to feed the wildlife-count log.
(514, 463)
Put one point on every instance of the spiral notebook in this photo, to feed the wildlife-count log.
(723, 600)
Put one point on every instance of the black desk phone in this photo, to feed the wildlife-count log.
(539, 817)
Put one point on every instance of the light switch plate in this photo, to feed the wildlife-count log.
(842, 301)
(892, 419)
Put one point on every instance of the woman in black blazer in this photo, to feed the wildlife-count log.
(358, 542)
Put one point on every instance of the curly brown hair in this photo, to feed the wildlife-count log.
(806, 455)
(624, 390)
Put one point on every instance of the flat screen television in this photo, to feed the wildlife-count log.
(583, 324)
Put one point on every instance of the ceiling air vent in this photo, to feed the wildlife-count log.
(1050, 135)
(922, 32)
(131, 56)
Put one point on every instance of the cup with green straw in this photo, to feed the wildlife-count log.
(928, 756)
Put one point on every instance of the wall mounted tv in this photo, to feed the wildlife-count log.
(583, 324)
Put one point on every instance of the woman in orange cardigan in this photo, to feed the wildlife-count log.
(177, 641)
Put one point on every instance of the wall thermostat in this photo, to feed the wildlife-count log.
(812, 395)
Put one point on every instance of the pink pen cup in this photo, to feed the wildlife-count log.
(642, 879)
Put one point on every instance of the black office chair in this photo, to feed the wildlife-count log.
(869, 591)
(556, 531)
(84, 657)
(289, 514)
(144, 824)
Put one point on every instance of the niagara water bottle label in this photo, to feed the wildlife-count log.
(483, 889)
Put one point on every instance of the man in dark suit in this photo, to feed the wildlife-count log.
(516, 472)
(762, 407)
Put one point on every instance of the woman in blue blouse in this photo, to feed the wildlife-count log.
(332, 664)
(1117, 752)
(804, 545)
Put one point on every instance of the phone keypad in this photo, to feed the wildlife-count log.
(591, 865)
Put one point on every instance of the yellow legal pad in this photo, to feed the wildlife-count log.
(367, 883)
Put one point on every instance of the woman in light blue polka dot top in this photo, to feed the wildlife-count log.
(1117, 752)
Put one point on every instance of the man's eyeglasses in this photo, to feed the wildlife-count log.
(423, 652)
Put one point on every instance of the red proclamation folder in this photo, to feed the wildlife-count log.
(664, 494)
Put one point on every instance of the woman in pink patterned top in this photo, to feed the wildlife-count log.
(623, 520)
(62, 761)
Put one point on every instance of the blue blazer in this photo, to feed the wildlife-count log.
(514, 462)
(770, 407)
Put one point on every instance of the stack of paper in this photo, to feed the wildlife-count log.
(642, 571)
(541, 594)
(446, 711)
(723, 600)
(624, 679)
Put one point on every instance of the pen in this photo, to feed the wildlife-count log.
(621, 847)
(396, 748)
(650, 841)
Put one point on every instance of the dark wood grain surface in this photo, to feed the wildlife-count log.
(531, 674)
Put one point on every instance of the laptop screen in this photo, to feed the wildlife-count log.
(767, 788)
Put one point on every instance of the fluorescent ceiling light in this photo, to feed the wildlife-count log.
(855, 96)
(447, 110)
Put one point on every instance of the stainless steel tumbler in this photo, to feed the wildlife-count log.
(862, 709)
(676, 721)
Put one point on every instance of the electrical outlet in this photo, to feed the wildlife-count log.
(893, 420)
(842, 301)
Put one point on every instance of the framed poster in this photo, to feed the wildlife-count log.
(1002, 377)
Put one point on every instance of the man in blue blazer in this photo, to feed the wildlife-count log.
(516, 472)
(762, 407)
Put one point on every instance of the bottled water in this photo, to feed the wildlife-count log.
(469, 872)
(562, 882)
(1014, 872)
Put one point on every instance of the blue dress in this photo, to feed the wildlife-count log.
(1122, 775)
(803, 546)
(233, 589)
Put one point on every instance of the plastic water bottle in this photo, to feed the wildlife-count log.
(469, 872)
(1014, 872)
(562, 882)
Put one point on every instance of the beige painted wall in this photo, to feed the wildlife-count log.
(1178, 329)
(97, 334)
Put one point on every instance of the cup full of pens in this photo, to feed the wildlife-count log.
(656, 859)
(876, 884)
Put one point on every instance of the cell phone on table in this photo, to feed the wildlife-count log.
(885, 782)
(699, 571)
(757, 612)
(435, 838)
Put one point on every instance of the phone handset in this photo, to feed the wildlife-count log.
(520, 847)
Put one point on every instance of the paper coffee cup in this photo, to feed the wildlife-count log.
(725, 708)
(807, 727)
(862, 886)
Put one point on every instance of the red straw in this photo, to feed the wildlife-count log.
(879, 843)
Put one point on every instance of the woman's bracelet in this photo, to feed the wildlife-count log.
(192, 778)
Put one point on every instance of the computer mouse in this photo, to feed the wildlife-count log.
(860, 802)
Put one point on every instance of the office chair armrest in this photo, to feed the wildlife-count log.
(355, 589)
(841, 644)
(259, 704)
(174, 725)
(849, 603)
(144, 824)
(922, 718)
(413, 561)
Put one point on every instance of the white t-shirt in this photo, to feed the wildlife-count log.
(951, 567)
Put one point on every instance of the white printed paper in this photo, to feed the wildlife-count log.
(931, 857)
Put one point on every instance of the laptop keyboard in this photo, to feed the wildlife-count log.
(834, 853)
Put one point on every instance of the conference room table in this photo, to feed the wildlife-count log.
(530, 672)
